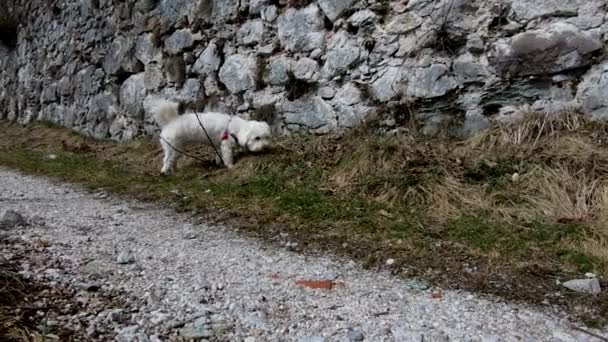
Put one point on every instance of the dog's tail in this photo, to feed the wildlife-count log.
(164, 111)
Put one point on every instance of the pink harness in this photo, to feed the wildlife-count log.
(226, 135)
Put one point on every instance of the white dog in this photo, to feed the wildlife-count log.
(230, 133)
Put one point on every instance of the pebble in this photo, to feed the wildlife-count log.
(125, 258)
(355, 335)
(193, 332)
(417, 284)
(37, 220)
(491, 338)
(390, 262)
(12, 219)
(591, 286)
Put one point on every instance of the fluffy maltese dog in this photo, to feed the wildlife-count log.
(228, 134)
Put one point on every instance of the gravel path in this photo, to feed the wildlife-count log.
(179, 278)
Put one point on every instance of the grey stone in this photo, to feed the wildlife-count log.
(407, 335)
(125, 257)
(474, 123)
(389, 85)
(119, 53)
(146, 50)
(154, 77)
(355, 335)
(132, 93)
(316, 53)
(251, 32)
(528, 10)
(362, 17)
(310, 113)
(417, 284)
(65, 86)
(468, 68)
(239, 73)
(131, 334)
(301, 29)
(333, 9)
(49, 94)
(591, 286)
(306, 69)
(277, 70)
(195, 332)
(327, 92)
(171, 11)
(343, 52)
(209, 60)
(144, 5)
(256, 6)
(103, 106)
(37, 220)
(270, 14)
(267, 50)
(592, 92)
(224, 10)
(429, 82)
(268, 96)
(351, 116)
(12, 219)
(404, 23)
(591, 15)
(475, 43)
(555, 48)
(212, 86)
(179, 41)
(491, 338)
(88, 81)
(436, 336)
(191, 91)
(414, 42)
(349, 95)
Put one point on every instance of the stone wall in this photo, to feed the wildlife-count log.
(93, 65)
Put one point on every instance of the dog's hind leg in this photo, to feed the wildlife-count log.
(169, 158)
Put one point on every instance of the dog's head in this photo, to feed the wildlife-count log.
(255, 136)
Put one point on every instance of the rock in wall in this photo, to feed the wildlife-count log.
(94, 65)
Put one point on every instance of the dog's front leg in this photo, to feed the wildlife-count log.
(227, 151)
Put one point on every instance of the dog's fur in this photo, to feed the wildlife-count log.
(229, 133)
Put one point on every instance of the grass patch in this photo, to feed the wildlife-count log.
(525, 203)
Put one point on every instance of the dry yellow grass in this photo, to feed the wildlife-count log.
(567, 195)
(529, 130)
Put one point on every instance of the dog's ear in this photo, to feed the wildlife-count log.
(181, 107)
(244, 134)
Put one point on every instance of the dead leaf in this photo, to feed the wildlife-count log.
(320, 284)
